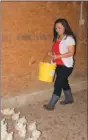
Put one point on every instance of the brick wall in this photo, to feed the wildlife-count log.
(26, 38)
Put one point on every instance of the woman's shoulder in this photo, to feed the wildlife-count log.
(69, 37)
(70, 40)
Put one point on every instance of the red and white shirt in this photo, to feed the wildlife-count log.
(61, 47)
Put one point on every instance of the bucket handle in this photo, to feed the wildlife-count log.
(46, 56)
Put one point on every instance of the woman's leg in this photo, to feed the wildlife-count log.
(62, 73)
(67, 93)
(53, 100)
(62, 79)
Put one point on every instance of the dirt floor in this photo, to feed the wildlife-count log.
(67, 122)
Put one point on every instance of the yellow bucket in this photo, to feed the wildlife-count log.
(46, 71)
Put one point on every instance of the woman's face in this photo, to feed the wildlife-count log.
(60, 29)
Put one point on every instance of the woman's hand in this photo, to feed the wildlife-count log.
(50, 54)
(56, 56)
(53, 55)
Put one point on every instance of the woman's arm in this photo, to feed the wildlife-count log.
(71, 50)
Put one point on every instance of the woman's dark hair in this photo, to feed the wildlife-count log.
(68, 30)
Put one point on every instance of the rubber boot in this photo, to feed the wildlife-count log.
(68, 97)
(52, 102)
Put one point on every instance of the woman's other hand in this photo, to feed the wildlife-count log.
(50, 54)
(56, 56)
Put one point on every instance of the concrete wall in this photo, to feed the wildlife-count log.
(27, 29)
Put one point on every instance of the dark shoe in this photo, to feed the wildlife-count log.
(66, 102)
(52, 102)
(68, 97)
(47, 107)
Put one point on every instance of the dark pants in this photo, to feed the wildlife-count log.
(61, 82)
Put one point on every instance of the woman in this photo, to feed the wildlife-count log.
(62, 53)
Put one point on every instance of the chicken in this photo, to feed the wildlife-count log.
(15, 116)
(3, 129)
(9, 136)
(36, 134)
(20, 123)
(18, 126)
(22, 131)
(4, 134)
(7, 111)
(22, 120)
(32, 126)
(21, 128)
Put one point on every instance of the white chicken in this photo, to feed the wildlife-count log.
(9, 136)
(32, 126)
(18, 126)
(16, 116)
(22, 120)
(7, 111)
(3, 128)
(22, 131)
(36, 134)
(4, 134)
(21, 128)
